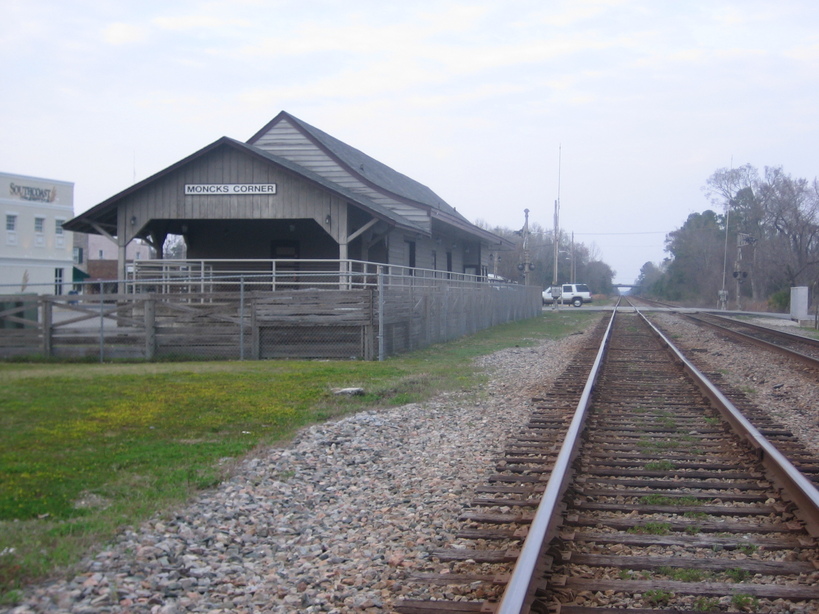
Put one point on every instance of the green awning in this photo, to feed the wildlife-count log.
(79, 275)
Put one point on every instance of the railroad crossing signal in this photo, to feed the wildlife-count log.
(744, 239)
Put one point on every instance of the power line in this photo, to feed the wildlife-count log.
(607, 234)
(601, 234)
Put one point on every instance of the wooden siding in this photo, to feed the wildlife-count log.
(314, 324)
(284, 140)
(253, 325)
(295, 198)
(424, 246)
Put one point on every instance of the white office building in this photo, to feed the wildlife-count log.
(36, 254)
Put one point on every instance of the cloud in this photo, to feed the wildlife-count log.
(120, 33)
(199, 22)
(807, 54)
(574, 13)
(637, 91)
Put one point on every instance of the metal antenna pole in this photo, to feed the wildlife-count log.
(526, 259)
(554, 290)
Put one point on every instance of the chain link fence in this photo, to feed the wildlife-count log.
(366, 315)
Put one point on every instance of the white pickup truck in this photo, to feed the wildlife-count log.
(576, 294)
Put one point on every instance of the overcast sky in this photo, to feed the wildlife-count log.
(637, 102)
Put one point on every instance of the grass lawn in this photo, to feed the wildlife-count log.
(86, 449)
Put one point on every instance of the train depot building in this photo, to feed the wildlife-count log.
(295, 193)
(296, 245)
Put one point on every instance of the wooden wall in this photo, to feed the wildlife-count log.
(339, 324)
(295, 198)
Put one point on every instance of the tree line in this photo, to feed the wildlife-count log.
(532, 259)
(760, 239)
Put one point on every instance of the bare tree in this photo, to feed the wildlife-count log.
(792, 211)
(175, 247)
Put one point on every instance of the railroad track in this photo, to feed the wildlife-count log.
(782, 437)
(659, 507)
(797, 347)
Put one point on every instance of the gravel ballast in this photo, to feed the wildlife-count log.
(769, 380)
(337, 520)
(333, 522)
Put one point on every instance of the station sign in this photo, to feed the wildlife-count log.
(229, 189)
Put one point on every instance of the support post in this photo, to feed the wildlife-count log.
(48, 316)
(242, 318)
(102, 322)
(150, 327)
(381, 341)
(255, 336)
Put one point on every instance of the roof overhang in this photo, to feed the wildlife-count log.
(102, 218)
(476, 232)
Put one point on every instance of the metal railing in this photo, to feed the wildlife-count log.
(212, 275)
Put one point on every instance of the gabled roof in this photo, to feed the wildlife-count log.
(384, 192)
(365, 168)
(375, 208)
(105, 213)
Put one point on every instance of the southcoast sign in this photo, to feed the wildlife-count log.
(27, 192)
(231, 189)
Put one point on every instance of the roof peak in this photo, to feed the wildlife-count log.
(363, 166)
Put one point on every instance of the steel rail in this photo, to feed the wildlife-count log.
(797, 487)
(519, 594)
(766, 329)
(736, 334)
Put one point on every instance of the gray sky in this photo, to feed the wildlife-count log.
(644, 99)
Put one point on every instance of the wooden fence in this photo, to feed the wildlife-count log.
(368, 323)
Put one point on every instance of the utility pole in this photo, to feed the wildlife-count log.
(738, 274)
(743, 239)
(722, 302)
(526, 264)
(556, 290)
(556, 241)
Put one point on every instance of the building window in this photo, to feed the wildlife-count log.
(39, 228)
(11, 229)
(101, 256)
(58, 282)
(59, 235)
(78, 255)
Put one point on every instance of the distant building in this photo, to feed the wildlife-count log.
(36, 253)
(95, 257)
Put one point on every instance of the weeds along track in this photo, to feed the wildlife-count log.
(802, 457)
(664, 508)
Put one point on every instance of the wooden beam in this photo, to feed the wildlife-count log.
(102, 231)
(362, 230)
